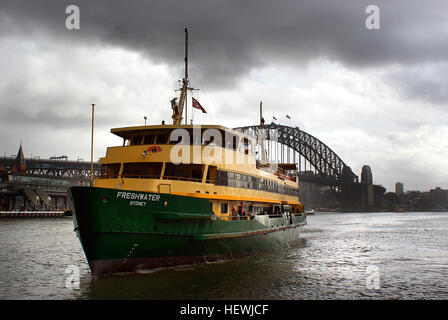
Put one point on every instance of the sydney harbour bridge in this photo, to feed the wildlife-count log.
(318, 165)
(322, 173)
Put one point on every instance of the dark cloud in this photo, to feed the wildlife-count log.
(427, 82)
(346, 96)
(229, 38)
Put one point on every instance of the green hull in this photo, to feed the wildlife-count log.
(126, 231)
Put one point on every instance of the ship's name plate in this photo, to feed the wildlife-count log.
(138, 196)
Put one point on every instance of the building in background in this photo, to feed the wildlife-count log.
(35, 184)
(440, 197)
(399, 188)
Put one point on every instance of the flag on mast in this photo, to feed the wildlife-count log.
(197, 105)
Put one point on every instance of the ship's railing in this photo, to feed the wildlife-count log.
(240, 217)
(271, 215)
(278, 171)
(186, 179)
(146, 176)
(265, 167)
(141, 176)
(250, 217)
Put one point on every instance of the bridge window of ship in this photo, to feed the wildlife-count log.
(149, 170)
(136, 140)
(210, 141)
(179, 140)
(162, 139)
(149, 139)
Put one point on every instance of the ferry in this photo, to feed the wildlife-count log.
(179, 194)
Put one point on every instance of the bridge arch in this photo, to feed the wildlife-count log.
(326, 162)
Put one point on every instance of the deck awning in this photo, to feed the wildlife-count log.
(129, 132)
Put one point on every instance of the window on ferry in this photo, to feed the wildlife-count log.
(149, 139)
(162, 139)
(250, 148)
(224, 207)
(256, 183)
(277, 210)
(244, 146)
(195, 137)
(211, 174)
(244, 183)
(184, 171)
(180, 173)
(175, 139)
(208, 141)
(238, 184)
(221, 178)
(180, 136)
(231, 141)
(196, 174)
(142, 170)
(262, 184)
(212, 137)
(110, 171)
(136, 140)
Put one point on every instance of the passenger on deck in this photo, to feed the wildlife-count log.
(241, 212)
(235, 215)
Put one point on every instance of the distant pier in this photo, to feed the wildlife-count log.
(33, 214)
(34, 187)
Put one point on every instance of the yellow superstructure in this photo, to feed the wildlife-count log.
(226, 173)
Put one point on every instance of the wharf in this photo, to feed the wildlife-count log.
(34, 214)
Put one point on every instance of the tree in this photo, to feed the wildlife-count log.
(391, 200)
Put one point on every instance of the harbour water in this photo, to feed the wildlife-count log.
(387, 255)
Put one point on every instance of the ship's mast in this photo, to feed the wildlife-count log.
(178, 108)
(186, 73)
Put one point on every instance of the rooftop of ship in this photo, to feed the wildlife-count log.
(128, 132)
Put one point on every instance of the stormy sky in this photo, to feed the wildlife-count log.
(374, 96)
